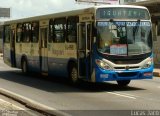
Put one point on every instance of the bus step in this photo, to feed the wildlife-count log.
(82, 77)
(44, 73)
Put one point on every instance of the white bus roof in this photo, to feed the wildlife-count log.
(124, 6)
(69, 13)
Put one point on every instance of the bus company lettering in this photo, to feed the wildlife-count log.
(32, 51)
(20, 47)
(85, 18)
(71, 53)
(58, 52)
(69, 47)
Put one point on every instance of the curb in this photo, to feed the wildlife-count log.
(33, 104)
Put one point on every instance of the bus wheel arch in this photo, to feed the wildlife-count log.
(73, 72)
(24, 65)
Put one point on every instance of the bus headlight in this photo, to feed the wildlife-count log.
(103, 64)
(148, 63)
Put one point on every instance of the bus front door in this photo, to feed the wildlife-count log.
(84, 50)
(43, 51)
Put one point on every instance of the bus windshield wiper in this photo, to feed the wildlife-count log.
(137, 25)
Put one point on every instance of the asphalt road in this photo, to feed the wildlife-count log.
(86, 98)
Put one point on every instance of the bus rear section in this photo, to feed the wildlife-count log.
(9, 45)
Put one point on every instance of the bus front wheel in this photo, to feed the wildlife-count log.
(123, 82)
(73, 74)
(24, 66)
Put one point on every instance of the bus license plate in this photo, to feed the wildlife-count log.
(104, 76)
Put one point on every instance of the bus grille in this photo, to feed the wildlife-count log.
(127, 74)
(127, 61)
(124, 68)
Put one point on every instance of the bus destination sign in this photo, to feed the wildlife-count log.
(119, 13)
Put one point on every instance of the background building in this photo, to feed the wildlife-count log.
(154, 8)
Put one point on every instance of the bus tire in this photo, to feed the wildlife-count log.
(123, 82)
(73, 74)
(24, 66)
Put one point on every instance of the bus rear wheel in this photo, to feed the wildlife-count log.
(24, 66)
(123, 83)
(73, 74)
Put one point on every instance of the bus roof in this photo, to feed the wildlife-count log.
(124, 6)
(68, 13)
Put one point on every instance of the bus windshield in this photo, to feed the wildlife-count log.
(124, 37)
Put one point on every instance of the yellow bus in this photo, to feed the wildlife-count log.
(96, 44)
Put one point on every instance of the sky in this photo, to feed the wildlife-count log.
(29, 8)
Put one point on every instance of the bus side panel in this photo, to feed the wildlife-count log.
(18, 60)
(22, 50)
(32, 55)
(7, 54)
(59, 55)
(33, 64)
(33, 58)
(57, 67)
(18, 52)
(56, 63)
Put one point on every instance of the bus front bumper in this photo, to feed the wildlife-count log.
(105, 75)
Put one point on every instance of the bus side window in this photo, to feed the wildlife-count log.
(7, 34)
(59, 30)
(19, 33)
(26, 32)
(72, 29)
(35, 32)
(51, 31)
